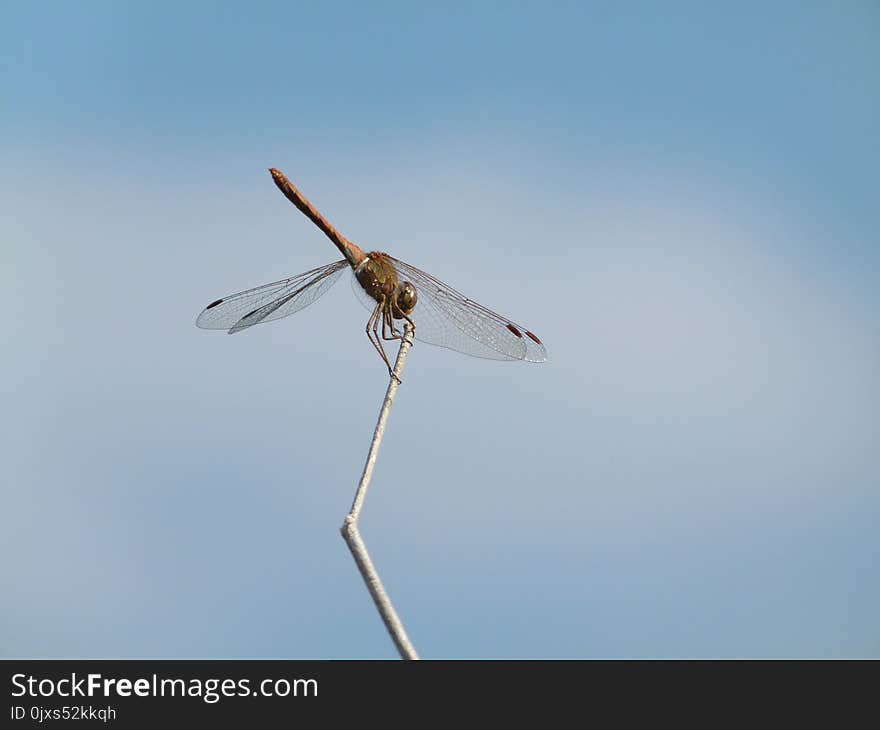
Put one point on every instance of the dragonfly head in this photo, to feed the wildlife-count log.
(406, 298)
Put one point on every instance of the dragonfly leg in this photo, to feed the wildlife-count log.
(381, 346)
(399, 313)
(411, 324)
(371, 328)
(402, 313)
(388, 326)
(386, 315)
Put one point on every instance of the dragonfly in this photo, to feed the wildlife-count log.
(398, 295)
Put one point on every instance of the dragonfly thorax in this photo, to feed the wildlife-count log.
(378, 277)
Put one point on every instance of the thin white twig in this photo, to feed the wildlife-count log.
(350, 531)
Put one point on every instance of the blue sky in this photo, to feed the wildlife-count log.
(680, 200)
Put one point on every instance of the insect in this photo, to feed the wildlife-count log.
(396, 293)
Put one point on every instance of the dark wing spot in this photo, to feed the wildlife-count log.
(214, 304)
(533, 337)
(514, 330)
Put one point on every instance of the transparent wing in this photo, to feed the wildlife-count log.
(447, 318)
(270, 301)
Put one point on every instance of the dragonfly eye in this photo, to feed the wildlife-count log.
(407, 297)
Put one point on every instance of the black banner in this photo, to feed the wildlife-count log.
(144, 693)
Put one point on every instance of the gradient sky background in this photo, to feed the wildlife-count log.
(681, 201)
